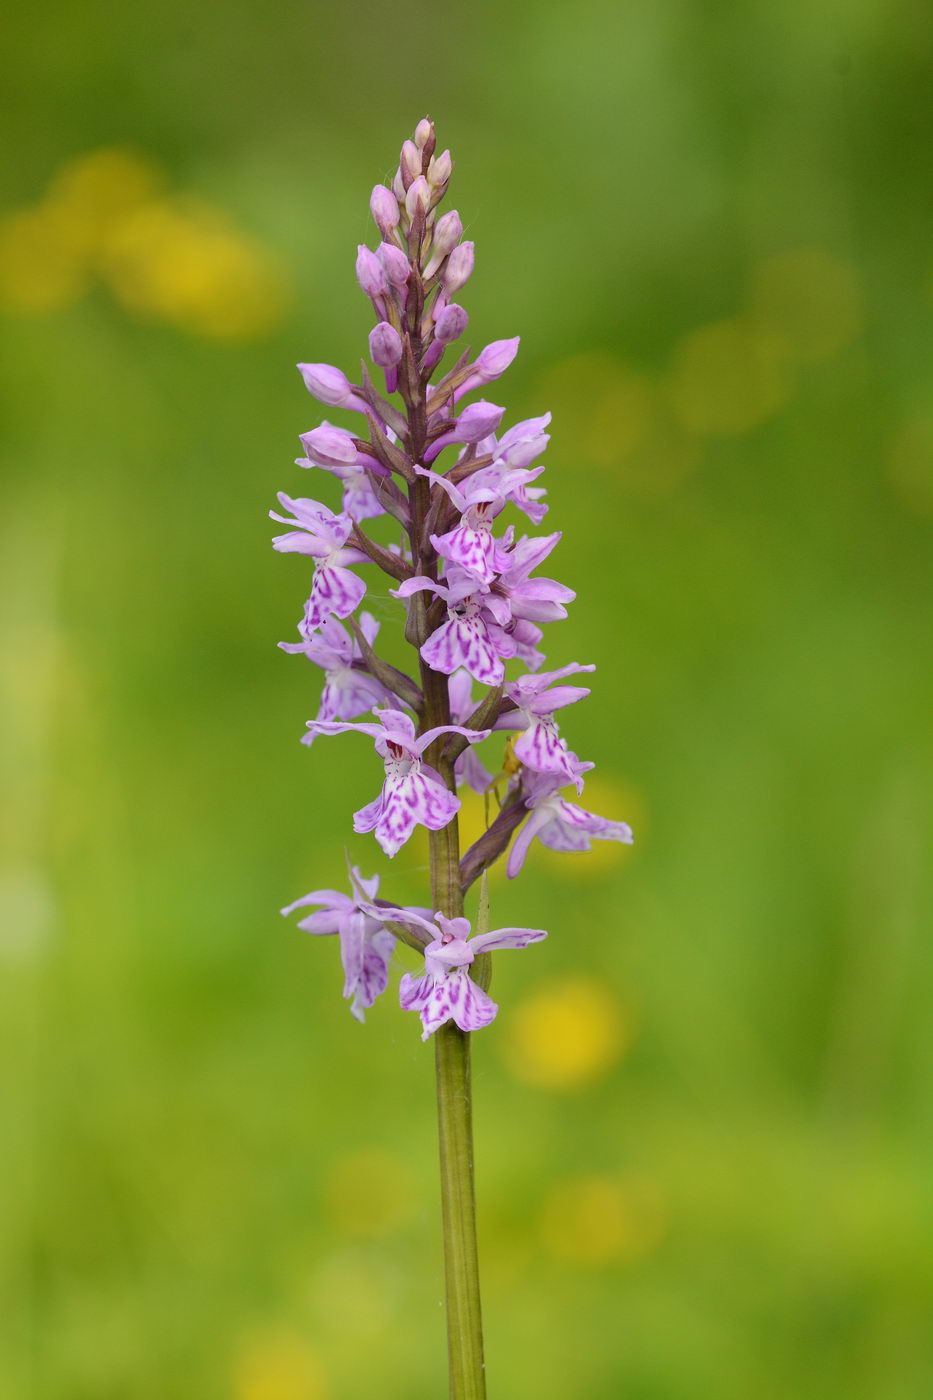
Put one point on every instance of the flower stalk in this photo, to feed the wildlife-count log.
(466, 1366)
(458, 1213)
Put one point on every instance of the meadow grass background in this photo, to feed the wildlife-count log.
(703, 1130)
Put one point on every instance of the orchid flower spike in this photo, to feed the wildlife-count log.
(431, 458)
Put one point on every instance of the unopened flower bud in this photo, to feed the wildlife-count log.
(450, 323)
(447, 234)
(477, 421)
(439, 168)
(459, 267)
(398, 186)
(395, 263)
(495, 358)
(410, 163)
(384, 208)
(418, 196)
(369, 272)
(331, 386)
(424, 133)
(385, 345)
(330, 445)
(489, 364)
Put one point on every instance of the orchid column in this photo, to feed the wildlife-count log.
(422, 465)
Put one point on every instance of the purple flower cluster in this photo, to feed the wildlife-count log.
(421, 465)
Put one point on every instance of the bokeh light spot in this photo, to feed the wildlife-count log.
(727, 377)
(567, 1034)
(808, 301)
(909, 463)
(367, 1194)
(594, 1220)
(278, 1364)
(353, 1293)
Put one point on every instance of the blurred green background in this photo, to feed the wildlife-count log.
(703, 1152)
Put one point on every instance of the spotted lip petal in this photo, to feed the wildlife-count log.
(335, 592)
(406, 801)
(454, 998)
(469, 642)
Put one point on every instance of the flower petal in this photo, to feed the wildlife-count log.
(335, 592)
(411, 799)
(332, 899)
(470, 1006)
(352, 932)
(464, 642)
(506, 938)
(414, 992)
(374, 973)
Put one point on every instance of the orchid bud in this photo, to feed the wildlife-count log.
(491, 362)
(384, 208)
(410, 163)
(424, 133)
(369, 272)
(395, 263)
(495, 358)
(459, 267)
(450, 323)
(439, 169)
(385, 345)
(418, 196)
(447, 234)
(477, 421)
(330, 445)
(327, 384)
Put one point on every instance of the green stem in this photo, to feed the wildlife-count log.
(458, 1206)
(454, 1106)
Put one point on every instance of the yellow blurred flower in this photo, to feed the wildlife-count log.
(727, 377)
(367, 1194)
(41, 268)
(593, 1220)
(182, 261)
(278, 1364)
(94, 192)
(808, 301)
(567, 1034)
(165, 258)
